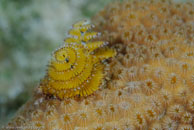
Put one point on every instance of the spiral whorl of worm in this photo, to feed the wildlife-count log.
(77, 68)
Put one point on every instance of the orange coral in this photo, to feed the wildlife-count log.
(149, 83)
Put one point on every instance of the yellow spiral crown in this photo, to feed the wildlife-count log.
(77, 68)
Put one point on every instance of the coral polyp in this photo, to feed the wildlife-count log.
(77, 68)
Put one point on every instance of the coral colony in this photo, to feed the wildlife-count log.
(148, 85)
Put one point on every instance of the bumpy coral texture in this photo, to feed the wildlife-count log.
(150, 82)
(76, 68)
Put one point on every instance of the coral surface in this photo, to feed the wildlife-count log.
(149, 84)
